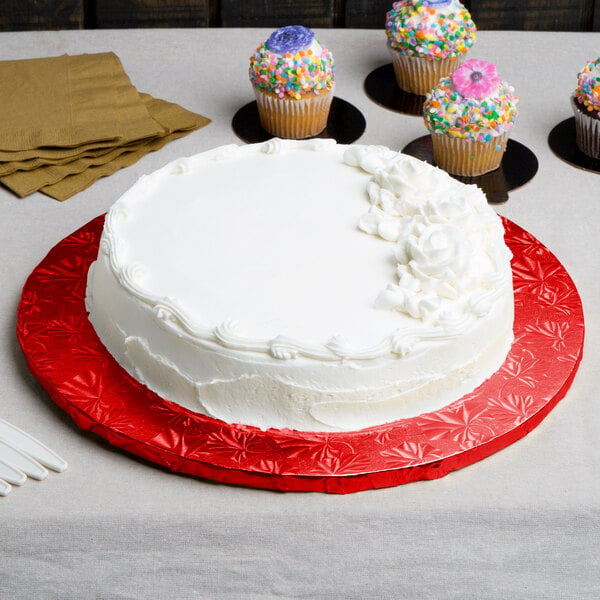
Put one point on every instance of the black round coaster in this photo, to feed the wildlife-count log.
(345, 123)
(518, 166)
(562, 142)
(381, 87)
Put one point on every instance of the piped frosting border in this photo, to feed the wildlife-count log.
(432, 220)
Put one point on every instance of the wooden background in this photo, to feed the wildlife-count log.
(19, 15)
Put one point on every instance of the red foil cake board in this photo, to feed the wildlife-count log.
(82, 378)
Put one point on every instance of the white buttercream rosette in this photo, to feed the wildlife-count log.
(432, 265)
(447, 238)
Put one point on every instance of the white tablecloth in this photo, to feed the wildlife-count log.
(523, 523)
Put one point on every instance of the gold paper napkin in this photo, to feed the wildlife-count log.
(69, 120)
(61, 181)
(66, 101)
(177, 122)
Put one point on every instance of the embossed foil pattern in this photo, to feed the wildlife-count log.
(64, 353)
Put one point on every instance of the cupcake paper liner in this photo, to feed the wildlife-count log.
(587, 132)
(419, 75)
(460, 156)
(293, 119)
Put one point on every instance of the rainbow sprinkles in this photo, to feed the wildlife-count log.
(433, 29)
(292, 64)
(587, 92)
(472, 103)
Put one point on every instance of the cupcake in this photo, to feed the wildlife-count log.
(586, 107)
(470, 115)
(292, 76)
(427, 40)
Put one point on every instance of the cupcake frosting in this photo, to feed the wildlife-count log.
(433, 29)
(587, 92)
(292, 63)
(473, 103)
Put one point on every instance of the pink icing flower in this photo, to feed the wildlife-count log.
(476, 79)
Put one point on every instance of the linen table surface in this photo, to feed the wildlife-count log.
(523, 523)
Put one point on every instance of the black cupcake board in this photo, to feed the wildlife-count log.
(345, 123)
(562, 142)
(518, 166)
(381, 87)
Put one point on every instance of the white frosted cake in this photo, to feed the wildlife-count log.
(304, 285)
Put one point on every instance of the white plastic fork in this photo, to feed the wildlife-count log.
(22, 456)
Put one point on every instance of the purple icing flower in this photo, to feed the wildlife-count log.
(290, 39)
(435, 3)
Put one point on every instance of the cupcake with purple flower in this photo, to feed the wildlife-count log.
(470, 115)
(293, 80)
(586, 108)
(427, 40)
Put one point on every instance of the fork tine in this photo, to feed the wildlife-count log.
(22, 461)
(31, 446)
(4, 488)
(11, 474)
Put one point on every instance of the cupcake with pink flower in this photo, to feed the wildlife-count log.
(293, 80)
(470, 115)
(586, 108)
(427, 40)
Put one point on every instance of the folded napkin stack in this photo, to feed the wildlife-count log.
(66, 121)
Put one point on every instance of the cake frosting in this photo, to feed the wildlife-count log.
(587, 92)
(472, 103)
(292, 64)
(433, 29)
(304, 285)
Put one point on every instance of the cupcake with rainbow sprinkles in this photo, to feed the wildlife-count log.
(427, 40)
(586, 107)
(470, 115)
(293, 80)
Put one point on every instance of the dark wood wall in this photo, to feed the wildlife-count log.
(19, 15)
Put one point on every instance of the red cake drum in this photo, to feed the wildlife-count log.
(82, 378)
